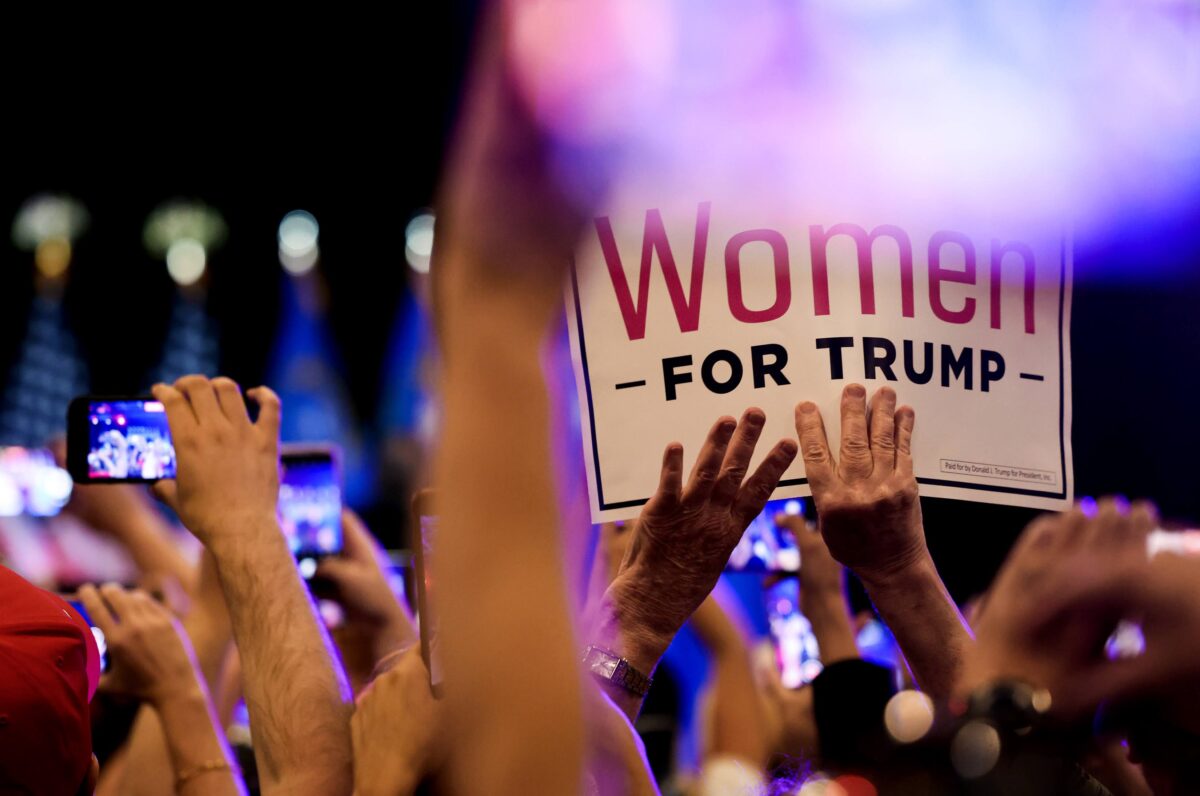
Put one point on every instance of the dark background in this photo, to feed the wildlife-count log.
(348, 117)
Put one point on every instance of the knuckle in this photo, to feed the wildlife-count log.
(856, 447)
(813, 452)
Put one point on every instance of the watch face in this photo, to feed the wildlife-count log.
(607, 666)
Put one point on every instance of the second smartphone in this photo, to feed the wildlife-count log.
(310, 503)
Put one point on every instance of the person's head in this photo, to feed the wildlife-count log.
(49, 668)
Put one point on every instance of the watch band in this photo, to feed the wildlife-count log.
(609, 667)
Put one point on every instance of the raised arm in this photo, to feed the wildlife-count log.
(227, 489)
(681, 542)
(506, 232)
(737, 726)
(153, 662)
(870, 518)
(822, 592)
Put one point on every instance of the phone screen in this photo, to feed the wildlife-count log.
(129, 440)
(310, 507)
(765, 547)
(97, 633)
(796, 650)
(31, 484)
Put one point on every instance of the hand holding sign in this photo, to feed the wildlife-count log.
(867, 500)
(870, 518)
(686, 532)
(682, 540)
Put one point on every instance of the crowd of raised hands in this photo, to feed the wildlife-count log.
(1024, 699)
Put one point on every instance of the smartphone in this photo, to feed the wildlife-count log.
(118, 440)
(97, 633)
(425, 525)
(796, 651)
(765, 547)
(31, 484)
(310, 503)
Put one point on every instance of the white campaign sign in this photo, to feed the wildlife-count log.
(682, 313)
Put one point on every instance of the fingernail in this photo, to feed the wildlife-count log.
(728, 426)
(856, 391)
(807, 408)
(1088, 506)
(756, 419)
(789, 447)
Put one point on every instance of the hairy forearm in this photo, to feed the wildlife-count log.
(504, 598)
(296, 695)
(195, 743)
(926, 623)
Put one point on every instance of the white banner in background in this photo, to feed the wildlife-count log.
(682, 313)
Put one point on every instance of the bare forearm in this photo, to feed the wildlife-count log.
(147, 537)
(926, 623)
(827, 613)
(196, 746)
(504, 599)
(297, 698)
(149, 770)
(617, 761)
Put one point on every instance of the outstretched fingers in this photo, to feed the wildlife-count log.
(670, 481)
(883, 431)
(738, 455)
(814, 446)
(753, 495)
(905, 419)
(703, 478)
(854, 457)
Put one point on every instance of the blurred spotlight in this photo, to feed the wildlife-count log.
(854, 785)
(908, 716)
(185, 261)
(298, 251)
(975, 749)
(793, 508)
(179, 219)
(52, 256)
(418, 241)
(46, 224)
(820, 785)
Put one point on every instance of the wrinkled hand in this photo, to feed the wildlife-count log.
(686, 532)
(227, 474)
(1051, 608)
(357, 580)
(866, 500)
(151, 656)
(397, 730)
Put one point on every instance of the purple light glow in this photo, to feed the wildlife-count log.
(1022, 111)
